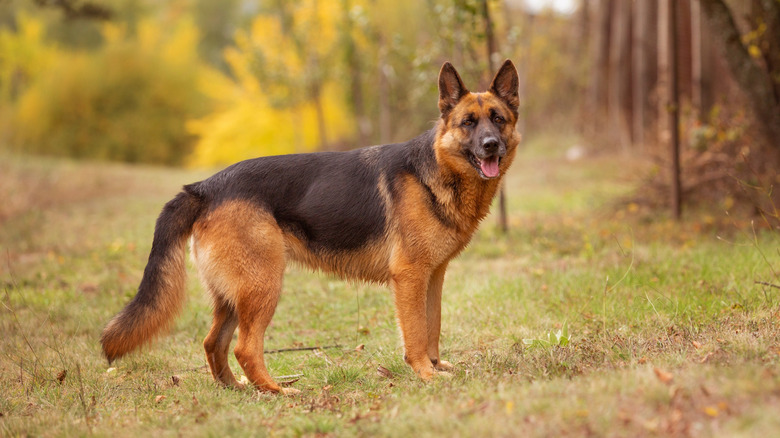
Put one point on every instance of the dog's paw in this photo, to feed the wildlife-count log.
(290, 391)
(443, 365)
(425, 371)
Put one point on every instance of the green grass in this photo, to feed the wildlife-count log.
(669, 332)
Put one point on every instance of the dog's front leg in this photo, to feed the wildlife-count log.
(410, 286)
(433, 306)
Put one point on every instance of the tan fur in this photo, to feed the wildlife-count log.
(240, 254)
(367, 264)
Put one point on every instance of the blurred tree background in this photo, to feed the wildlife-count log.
(211, 82)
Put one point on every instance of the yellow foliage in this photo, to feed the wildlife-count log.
(271, 112)
(754, 51)
(248, 126)
(23, 55)
(128, 100)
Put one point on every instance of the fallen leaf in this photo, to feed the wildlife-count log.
(360, 347)
(707, 357)
(327, 387)
(642, 360)
(175, 379)
(159, 398)
(696, 345)
(384, 372)
(61, 376)
(712, 411)
(651, 425)
(663, 376)
(88, 288)
(194, 401)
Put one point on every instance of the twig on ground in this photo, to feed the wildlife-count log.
(767, 284)
(278, 350)
(288, 380)
(285, 350)
(291, 376)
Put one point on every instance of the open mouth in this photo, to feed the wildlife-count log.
(487, 167)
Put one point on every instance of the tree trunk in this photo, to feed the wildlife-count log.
(662, 85)
(702, 64)
(355, 77)
(771, 13)
(600, 68)
(753, 80)
(490, 39)
(384, 93)
(620, 75)
(684, 47)
(582, 38)
(316, 97)
(644, 77)
(491, 52)
(674, 108)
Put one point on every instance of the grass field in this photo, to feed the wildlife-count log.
(670, 333)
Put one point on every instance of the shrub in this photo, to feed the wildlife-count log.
(127, 101)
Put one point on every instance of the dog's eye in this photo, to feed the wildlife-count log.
(498, 120)
(467, 122)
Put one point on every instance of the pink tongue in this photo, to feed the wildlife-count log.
(490, 167)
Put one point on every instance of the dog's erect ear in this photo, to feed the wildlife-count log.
(451, 88)
(505, 85)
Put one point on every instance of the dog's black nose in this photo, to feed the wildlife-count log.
(490, 144)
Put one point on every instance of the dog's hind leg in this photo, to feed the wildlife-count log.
(256, 304)
(256, 308)
(217, 342)
(241, 254)
(256, 296)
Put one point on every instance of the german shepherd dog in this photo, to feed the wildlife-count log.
(394, 214)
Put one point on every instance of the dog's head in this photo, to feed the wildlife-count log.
(478, 133)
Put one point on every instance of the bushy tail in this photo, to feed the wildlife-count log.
(162, 291)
